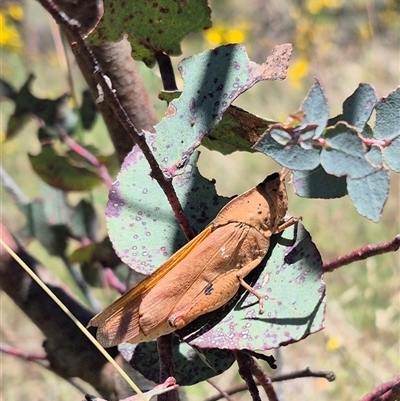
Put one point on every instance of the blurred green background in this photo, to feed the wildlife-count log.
(342, 43)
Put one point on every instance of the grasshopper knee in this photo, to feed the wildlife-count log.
(177, 322)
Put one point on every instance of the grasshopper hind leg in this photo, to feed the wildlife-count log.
(215, 295)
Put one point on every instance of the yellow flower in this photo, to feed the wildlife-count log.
(221, 34)
(9, 35)
(364, 31)
(214, 35)
(297, 72)
(315, 6)
(15, 11)
(333, 3)
(235, 36)
(333, 344)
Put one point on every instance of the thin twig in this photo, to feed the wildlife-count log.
(264, 381)
(307, 372)
(245, 363)
(164, 348)
(167, 72)
(31, 356)
(362, 253)
(223, 393)
(72, 27)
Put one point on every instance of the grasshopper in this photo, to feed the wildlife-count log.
(205, 273)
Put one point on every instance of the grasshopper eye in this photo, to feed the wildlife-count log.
(271, 177)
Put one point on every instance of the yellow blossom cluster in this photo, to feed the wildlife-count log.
(317, 6)
(221, 34)
(10, 37)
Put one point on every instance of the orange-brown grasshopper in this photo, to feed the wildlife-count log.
(203, 275)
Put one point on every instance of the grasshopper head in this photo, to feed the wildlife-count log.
(262, 207)
(275, 205)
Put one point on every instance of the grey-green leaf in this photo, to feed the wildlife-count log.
(369, 193)
(392, 155)
(345, 153)
(293, 157)
(212, 81)
(316, 109)
(358, 107)
(374, 156)
(318, 183)
(387, 124)
(189, 368)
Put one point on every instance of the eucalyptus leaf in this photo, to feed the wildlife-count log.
(318, 183)
(57, 171)
(190, 366)
(369, 194)
(344, 153)
(358, 107)
(315, 107)
(293, 157)
(387, 124)
(212, 81)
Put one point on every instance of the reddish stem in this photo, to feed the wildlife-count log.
(102, 170)
(385, 391)
(113, 281)
(7, 349)
(307, 372)
(264, 381)
(362, 253)
(378, 142)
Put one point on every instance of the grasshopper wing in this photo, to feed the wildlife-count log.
(119, 322)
